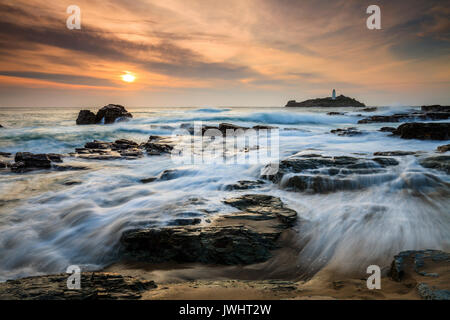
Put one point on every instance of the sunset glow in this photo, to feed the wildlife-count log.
(128, 77)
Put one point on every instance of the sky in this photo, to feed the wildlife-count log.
(222, 53)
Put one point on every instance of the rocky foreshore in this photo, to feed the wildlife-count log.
(435, 112)
(420, 274)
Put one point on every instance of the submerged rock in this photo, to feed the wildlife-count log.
(244, 237)
(387, 129)
(423, 131)
(437, 162)
(321, 174)
(435, 108)
(94, 286)
(107, 114)
(393, 153)
(352, 131)
(425, 114)
(245, 185)
(340, 101)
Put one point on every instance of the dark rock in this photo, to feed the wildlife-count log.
(111, 113)
(435, 108)
(428, 293)
(347, 132)
(321, 174)
(245, 185)
(94, 286)
(148, 180)
(335, 113)
(437, 162)
(387, 129)
(393, 153)
(25, 161)
(86, 117)
(416, 261)
(370, 109)
(443, 148)
(265, 205)
(107, 114)
(340, 101)
(428, 115)
(424, 131)
(263, 127)
(184, 222)
(229, 240)
(5, 154)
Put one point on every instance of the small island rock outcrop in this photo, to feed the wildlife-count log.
(340, 101)
(108, 114)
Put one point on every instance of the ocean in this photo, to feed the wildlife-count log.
(52, 219)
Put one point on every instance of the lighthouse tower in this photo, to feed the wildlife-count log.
(333, 95)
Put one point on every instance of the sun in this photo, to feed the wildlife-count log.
(127, 77)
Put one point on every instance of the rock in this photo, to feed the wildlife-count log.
(94, 286)
(437, 162)
(148, 180)
(443, 148)
(415, 115)
(414, 267)
(86, 117)
(157, 145)
(335, 113)
(265, 206)
(435, 108)
(112, 112)
(100, 150)
(347, 132)
(240, 238)
(5, 154)
(427, 293)
(107, 114)
(25, 161)
(423, 131)
(244, 185)
(370, 109)
(1, 126)
(387, 129)
(406, 263)
(340, 101)
(315, 173)
(393, 153)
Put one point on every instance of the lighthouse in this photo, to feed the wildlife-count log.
(333, 95)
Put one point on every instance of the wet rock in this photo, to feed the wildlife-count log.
(111, 113)
(370, 109)
(340, 101)
(94, 286)
(244, 185)
(435, 108)
(335, 113)
(393, 153)
(86, 117)
(244, 237)
(415, 115)
(107, 114)
(437, 162)
(157, 145)
(428, 293)
(100, 150)
(443, 148)
(321, 174)
(415, 262)
(5, 154)
(148, 180)
(424, 131)
(347, 132)
(184, 222)
(26, 161)
(265, 206)
(263, 127)
(387, 129)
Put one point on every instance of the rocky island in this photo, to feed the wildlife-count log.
(333, 101)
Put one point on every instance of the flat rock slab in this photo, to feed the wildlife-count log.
(315, 173)
(94, 286)
(239, 238)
